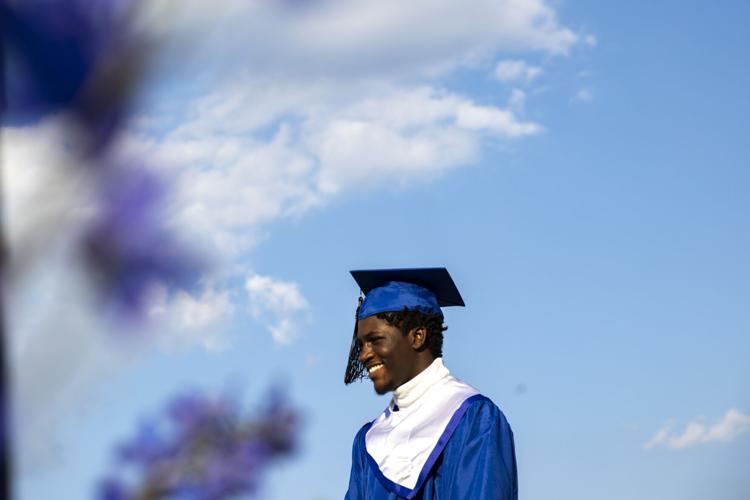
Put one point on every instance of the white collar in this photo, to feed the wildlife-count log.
(408, 393)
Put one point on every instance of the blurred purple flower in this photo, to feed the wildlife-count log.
(208, 449)
(77, 56)
(112, 489)
(81, 58)
(148, 447)
(128, 247)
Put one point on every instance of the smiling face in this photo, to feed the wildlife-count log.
(391, 357)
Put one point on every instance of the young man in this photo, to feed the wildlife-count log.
(438, 438)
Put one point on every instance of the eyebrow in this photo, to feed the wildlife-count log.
(368, 335)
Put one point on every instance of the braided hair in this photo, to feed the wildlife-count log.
(405, 320)
(355, 370)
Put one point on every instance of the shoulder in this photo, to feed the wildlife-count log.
(363, 430)
(359, 437)
(359, 448)
(482, 415)
(481, 404)
(479, 458)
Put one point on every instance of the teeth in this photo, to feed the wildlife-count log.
(375, 368)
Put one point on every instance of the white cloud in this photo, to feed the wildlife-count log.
(231, 179)
(590, 40)
(731, 425)
(514, 70)
(181, 319)
(279, 304)
(359, 36)
(318, 100)
(405, 134)
(201, 311)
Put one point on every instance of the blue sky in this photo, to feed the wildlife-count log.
(580, 168)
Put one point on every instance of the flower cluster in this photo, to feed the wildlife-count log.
(204, 449)
(84, 61)
(128, 249)
(77, 57)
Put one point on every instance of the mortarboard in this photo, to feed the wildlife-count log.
(424, 289)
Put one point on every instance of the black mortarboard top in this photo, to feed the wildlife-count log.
(434, 280)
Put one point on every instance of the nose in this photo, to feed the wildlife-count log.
(365, 353)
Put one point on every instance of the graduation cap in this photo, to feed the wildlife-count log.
(424, 289)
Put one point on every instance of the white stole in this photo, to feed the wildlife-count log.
(402, 438)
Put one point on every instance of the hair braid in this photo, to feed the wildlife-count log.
(355, 370)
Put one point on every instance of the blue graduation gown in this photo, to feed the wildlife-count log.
(477, 463)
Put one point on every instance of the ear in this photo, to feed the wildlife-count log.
(418, 337)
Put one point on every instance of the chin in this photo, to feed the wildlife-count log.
(381, 389)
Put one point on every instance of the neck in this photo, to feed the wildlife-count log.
(424, 360)
(409, 392)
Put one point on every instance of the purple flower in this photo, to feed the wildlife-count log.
(73, 56)
(82, 57)
(112, 489)
(148, 447)
(208, 449)
(128, 247)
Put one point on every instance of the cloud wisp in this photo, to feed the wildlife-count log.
(514, 70)
(192, 318)
(727, 428)
(279, 304)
